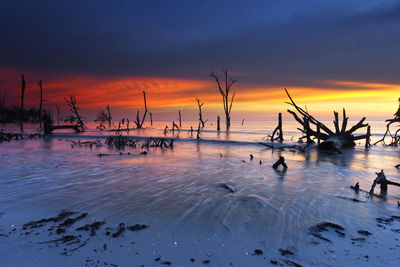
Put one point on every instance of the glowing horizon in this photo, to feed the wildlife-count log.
(165, 96)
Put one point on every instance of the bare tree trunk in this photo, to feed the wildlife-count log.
(151, 118)
(40, 83)
(139, 124)
(3, 101)
(23, 85)
(225, 96)
(174, 126)
(200, 113)
(58, 114)
(74, 109)
(368, 138)
(109, 116)
(278, 130)
(180, 120)
(218, 124)
(198, 131)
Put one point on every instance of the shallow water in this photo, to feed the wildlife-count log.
(180, 190)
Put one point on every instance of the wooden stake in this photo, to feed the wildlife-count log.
(368, 138)
(109, 116)
(23, 85)
(151, 119)
(40, 83)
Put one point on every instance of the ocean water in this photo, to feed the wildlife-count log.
(178, 191)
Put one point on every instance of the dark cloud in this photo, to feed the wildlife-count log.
(269, 42)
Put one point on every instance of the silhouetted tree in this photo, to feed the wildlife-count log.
(138, 122)
(40, 83)
(71, 101)
(109, 116)
(200, 113)
(225, 95)
(23, 85)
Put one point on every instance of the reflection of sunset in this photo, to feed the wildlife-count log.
(167, 95)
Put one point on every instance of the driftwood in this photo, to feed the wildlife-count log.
(225, 95)
(357, 189)
(91, 144)
(120, 142)
(278, 130)
(48, 129)
(332, 139)
(283, 146)
(138, 122)
(7, 137)
(395, 138)
(281, 161)
(383, 182)
(158, 142)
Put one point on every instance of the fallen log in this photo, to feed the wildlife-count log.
(282, 146)
(50, 128)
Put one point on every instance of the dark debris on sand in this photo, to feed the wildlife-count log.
(317, 229)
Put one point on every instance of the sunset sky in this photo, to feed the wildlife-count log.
(329, 54)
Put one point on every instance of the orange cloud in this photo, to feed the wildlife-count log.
(168, 95)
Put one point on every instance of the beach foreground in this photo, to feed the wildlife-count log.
(196, 204)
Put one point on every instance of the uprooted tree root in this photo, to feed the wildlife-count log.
(332, 139)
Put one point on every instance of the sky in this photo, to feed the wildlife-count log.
(329, 54)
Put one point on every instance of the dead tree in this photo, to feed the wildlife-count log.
(198, 132)
(109, 118)
(23, 86)
(200, 113)
(278, 130)
(40, 83)
(151, 118)
(383, 182)
(218, 124)
(71, 101)
(368, 138)
(332, 139)
(3, 101)
(180, 119)
(138, 122)
(225, 95)
(394, 138)
(174, 126)
(101, 118)
(58, 114)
